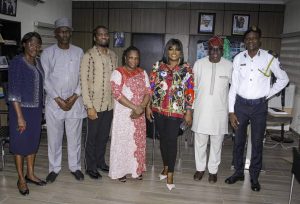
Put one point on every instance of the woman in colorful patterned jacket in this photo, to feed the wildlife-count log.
(171, 82)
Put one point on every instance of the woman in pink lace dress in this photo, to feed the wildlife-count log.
(130, 87)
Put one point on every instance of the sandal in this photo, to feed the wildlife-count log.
(123, 179)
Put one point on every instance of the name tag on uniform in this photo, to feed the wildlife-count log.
(223, 77)
(242, 64)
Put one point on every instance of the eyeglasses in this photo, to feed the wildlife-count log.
(267, 73)
(34, 45)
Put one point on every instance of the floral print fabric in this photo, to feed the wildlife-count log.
(172, 89)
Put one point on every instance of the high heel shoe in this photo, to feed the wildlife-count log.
(170, 182)
(162, 177)
(162, 174)
(170, 186)
(23, 191)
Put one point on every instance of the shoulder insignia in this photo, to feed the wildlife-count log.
(273, 53)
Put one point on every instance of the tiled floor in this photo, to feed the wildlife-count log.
(275, 182)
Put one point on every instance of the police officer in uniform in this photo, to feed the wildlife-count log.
(248, 95)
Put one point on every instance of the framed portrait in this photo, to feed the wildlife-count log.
(206, 23)
(8, 7)
(119, 39)
(3, 62)
(240, 24)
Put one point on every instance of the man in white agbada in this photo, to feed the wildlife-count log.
(64, 106)
(212, 75)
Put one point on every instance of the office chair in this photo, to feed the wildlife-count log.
(295, 170)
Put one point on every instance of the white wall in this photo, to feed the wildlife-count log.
(291, 17)
(291, 25)
(29, 11)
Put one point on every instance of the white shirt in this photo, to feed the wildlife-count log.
(249, 82)
(62, 67)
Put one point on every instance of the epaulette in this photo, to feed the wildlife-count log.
(273, 53)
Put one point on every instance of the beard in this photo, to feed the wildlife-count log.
(103, 43)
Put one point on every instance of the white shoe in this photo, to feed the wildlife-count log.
(170, 186)
(162, 177)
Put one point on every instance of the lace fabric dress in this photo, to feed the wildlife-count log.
(128, 141)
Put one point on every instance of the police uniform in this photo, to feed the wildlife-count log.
(249, 91)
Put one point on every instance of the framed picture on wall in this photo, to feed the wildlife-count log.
(8, 7)
(119, 39)
(240, 24)
(206, 23)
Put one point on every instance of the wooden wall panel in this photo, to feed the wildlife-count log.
(82, 4)
(207, 6)
(120, 20)
(100, 17)
(272, 7)
(82, 19)
(178, 21)
(271, 24)
(178, 5)
(148, 4)
(100, 4)
(228, 20)
(242, 7)
(120, 4)
(83, 40)
(148, 20)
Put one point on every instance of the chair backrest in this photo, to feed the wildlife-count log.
(296, 163)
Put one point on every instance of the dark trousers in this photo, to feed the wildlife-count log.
(97, 136)
(257, 115)
(168, 128)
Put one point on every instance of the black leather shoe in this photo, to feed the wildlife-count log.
(78, 175)
(51, 177)
(234, 178)
(38, 183)
(212, 178)
(198, 175)
(104, 168)
(255, 186)
(23, 189)
(93, 174)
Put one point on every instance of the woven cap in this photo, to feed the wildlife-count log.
(63, 22)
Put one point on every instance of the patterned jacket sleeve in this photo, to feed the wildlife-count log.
(153, 75)
(189, 88)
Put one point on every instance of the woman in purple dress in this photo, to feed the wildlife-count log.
(25, 96)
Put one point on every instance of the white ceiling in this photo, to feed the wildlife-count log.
(220, 1)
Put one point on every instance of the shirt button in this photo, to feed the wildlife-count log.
(251, 70)
(250, 79)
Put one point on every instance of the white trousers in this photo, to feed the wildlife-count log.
(55, 131)
(201, 141)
